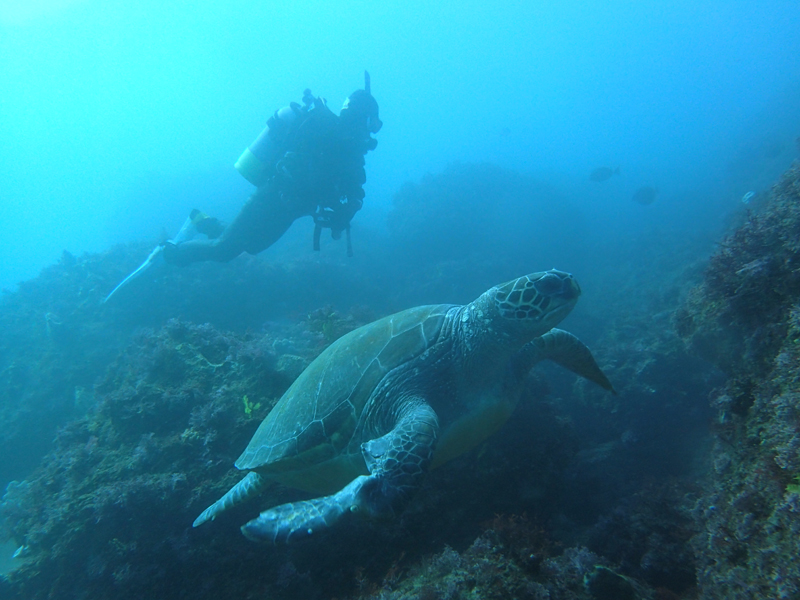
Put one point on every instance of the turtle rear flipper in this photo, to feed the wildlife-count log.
(396, 461)
(251, 485)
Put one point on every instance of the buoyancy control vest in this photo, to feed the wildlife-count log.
(258, 161)
(284, 145)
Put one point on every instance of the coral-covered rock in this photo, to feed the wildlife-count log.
(159, 416)
(745, 318)
(737, 318)
(58, 336)
(120, 490)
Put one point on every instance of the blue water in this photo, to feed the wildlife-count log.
(117, 118)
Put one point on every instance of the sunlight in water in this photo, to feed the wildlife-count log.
(24, 12)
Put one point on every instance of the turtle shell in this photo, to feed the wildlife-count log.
(314, 421)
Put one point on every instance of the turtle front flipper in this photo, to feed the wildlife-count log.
(396, 461)
(564, 349)
(294, 520)
(251, 485)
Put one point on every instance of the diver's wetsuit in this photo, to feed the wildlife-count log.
(324, 169)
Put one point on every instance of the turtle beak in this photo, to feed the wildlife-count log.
(571, 288)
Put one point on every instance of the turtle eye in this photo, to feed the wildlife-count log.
(550, 284)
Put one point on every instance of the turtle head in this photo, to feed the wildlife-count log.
(522, 309)
(539, 298)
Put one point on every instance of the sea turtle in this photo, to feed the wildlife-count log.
(392, 399)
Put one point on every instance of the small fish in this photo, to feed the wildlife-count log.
(645, 195)
(603, 173)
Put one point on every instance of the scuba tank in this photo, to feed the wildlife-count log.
(257, 162)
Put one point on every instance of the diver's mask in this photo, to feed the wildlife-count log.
(360, 109)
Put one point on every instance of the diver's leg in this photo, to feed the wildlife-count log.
(218, 249)
(264, 218)
(268, 216)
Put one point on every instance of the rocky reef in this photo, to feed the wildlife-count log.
(582, 495)
(108, 513)
(745, 318)
(58, 336)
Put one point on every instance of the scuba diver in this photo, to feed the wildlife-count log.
(306, 162)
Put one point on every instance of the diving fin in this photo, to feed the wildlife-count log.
(138, 271)
(187, 231)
